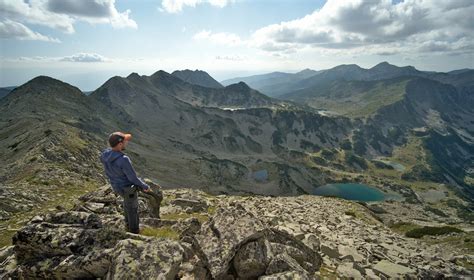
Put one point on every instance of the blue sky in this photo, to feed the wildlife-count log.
(86, 42)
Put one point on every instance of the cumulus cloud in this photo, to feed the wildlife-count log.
(378, 24)
(220, 38)
(35, 12)
(63, 14)
(176, 6)
(84, 57)
(85, 8)
(14, 30)
(94, 11)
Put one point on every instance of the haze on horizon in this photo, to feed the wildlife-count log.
(86, 42)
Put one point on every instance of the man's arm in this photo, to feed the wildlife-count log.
(127, 168)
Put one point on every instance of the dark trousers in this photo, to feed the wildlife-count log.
(130, 209)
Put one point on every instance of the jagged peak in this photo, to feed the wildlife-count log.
(133, 75)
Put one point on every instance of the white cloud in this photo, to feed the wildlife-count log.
(176, 6)
(35, 12)
(62, 14)
(78, 57)
(230, 57)
(14, 30)
(220, 38)
(376, 25)
(84, 57)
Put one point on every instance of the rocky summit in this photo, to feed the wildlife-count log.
(196, 235)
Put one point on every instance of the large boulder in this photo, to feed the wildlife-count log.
(152, 259)
(81, 219)
(46, 250)
(251, 260)
(222, 236)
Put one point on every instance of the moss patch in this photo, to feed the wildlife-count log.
(162, 232)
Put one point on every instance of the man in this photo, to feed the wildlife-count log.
(123, 178)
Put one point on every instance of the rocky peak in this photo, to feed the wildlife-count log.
(44, 90)
(383, 65)
(240, 86)
(197, 77)
(133, 76)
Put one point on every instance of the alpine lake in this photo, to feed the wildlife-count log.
(352, 191)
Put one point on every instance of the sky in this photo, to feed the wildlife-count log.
(88, 41)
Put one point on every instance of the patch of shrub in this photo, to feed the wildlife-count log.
(420, 232)
(353, 160)
(328, 154)
(350, 213)
(382, 165)
(346, 144)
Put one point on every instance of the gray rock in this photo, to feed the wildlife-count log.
(251, 260)
(94, 264)
(220, 238)
(329, 250)
(5, 252)
(153, 259)
(43, 240)
(370, 274)
(312, 241)
(153, 200)
(391, 270)
(346, 270)
(283, 262)
(194, 205)
(87, 220)
(8, 268)
(288, 275)
(349, 253)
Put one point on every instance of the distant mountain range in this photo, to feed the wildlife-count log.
(275, 83)
(361, 123)
(290, 84)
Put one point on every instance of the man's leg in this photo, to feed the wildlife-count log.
(131, 210)
(125, 214)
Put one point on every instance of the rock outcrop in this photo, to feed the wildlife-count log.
(200, 236)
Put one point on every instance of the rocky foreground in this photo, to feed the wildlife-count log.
(200, 236)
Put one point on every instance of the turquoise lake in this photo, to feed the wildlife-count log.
(349, 191)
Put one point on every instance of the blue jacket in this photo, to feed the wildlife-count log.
(118, 168)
